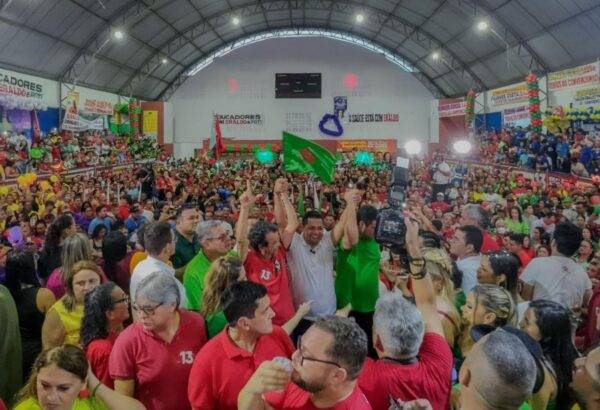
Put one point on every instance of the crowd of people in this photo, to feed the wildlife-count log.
(202, 284)
(570, 151)
(66, 151)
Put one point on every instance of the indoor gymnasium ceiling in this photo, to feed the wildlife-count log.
(74, 40)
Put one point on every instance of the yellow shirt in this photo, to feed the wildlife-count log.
(136, 258)
(87, 403)
(71, 320)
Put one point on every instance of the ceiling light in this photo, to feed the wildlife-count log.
(118, 34)
(435, 55)
(360, 18)
(413, 147)
(235, 20)
(164, 60)
(482, 25)
(462, 146)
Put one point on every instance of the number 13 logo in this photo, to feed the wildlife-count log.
(187, 357)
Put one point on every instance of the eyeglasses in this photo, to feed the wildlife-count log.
(312, 359)
(125, 299)
(220, 237)
(149, 310)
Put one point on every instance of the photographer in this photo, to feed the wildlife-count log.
(414, 358)
(357, 268)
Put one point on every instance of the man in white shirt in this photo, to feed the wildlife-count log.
(310, 259)
(159, 242)
(465, 244)
(441, 177)
(558, 277)
(546, 222)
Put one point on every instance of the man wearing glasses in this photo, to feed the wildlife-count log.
(228, 360)
(323, 372)
(214, 242)
(151, 359)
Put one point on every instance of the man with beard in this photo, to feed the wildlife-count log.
(228, 360)
(586, 380)
(324, 371)
(310, 259)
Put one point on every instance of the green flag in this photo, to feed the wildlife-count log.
(300, 155)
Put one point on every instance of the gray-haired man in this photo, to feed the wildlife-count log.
(214, 242)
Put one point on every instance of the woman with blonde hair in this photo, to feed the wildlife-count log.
(63, 320)
(487, 304)
(223, 272)
(75, 248)
(439, 266)
(58, 377)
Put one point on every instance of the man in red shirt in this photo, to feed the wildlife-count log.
(473, 214)
(228, 360)
(415, 361)
(151, 359)
(323, 372)
(439, 203)
(265, 262)
(515, 245)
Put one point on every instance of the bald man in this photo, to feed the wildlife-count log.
(586, 380)
(499, 373)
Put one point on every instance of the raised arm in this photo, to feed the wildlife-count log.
(338, 229)
(247, 199)
(278, 208)
(351, 226)
(287, 234)
(421, 282)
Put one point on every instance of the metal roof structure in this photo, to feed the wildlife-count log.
(449, 45)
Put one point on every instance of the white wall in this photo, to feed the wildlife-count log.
(382, 88)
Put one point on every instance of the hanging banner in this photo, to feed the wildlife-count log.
(374, 117)
(150, 123)
(79, 121)
(513, 94)
(93, 106)
(516, 117)
(574, 77)
(18, 92)
(367, 145)
(452, 109)
(242, 120)
(587, 97)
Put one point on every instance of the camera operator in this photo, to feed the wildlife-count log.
(357, 267)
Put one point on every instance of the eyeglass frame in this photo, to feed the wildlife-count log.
(150, 311)
(126, 299)
(312, 359)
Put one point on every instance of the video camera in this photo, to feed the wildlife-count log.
(390, 229)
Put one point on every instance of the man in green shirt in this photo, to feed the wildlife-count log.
(214, 242)
(186, 243)
(357, 268)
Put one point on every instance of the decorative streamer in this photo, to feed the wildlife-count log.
(470, 108)
(533, 90)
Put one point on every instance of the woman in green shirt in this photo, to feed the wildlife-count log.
(515, 222)
(59, 380)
